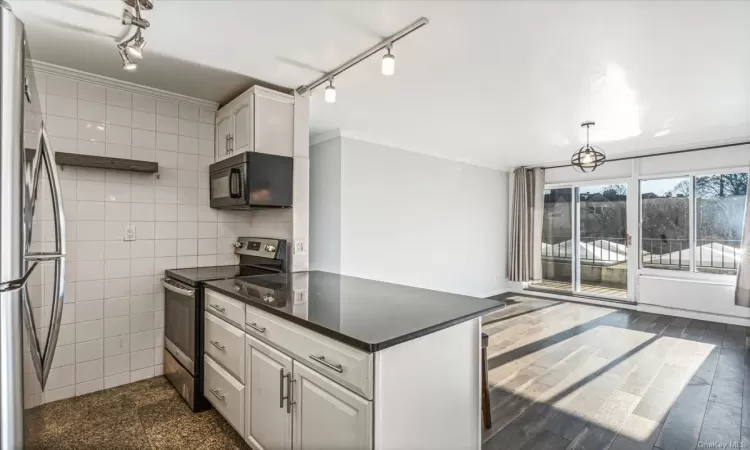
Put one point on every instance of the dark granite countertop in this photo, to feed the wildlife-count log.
(367, 314)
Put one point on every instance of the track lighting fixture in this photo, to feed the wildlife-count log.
(127, 64)
(330, 92)
(388, 65)
(133, 47)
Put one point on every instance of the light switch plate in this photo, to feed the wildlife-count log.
(299, 247)
(129, 233)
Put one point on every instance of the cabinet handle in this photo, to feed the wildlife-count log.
(218, 308)
(226, 144)
(231, 144)
(290, 393)
(255, 327)
(217, 344)
(216, 393)
(322, 359)
(283, 397)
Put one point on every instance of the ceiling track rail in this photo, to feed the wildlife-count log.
(651, 155)
(386, 43)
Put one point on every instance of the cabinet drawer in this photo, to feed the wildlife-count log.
(347, 365)
(225, 393)
(225, 344)
(225, 307)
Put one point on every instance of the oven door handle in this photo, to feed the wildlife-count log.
(171, 287)
(235, 183)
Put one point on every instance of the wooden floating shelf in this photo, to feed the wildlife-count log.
(100, 162)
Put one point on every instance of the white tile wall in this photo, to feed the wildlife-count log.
(114, 304)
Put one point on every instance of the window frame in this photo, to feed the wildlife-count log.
(692, 273)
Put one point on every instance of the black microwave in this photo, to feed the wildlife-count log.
(252, 180)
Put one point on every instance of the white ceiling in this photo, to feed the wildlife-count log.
(493, 83)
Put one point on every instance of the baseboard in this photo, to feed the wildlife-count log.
(690, 314)
(641, 307)
(493, 293)
(569, 298)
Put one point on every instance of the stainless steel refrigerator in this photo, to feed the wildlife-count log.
(22, 172)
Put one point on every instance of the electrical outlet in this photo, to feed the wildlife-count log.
(300, 297)
(299, 247)
(129, 233)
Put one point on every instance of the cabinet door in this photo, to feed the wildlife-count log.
(274, 125)
(268, 426)
(327, 415)
(241, 135)
(223, 130)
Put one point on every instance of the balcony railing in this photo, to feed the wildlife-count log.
(709, 253)
(592, 250)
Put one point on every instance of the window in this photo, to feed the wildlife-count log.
(665, 216)
(718, 207)
(719, 215)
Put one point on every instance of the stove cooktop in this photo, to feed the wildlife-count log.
(196, 275)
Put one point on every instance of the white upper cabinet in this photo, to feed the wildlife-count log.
(259, 120)
(241, 137)
(268, 417)
(274, 124)
(224, 128)
(327, 415)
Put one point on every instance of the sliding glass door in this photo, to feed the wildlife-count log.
(557, 240)
(603, 241)
(585, 242)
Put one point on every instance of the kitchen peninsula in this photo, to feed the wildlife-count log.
(321, 360)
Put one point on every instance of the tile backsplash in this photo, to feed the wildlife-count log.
(113, 318)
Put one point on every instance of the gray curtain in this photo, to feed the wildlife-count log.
(525, 240)
(742, 290)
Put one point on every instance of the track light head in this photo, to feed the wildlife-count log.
(134, 47)
(127, 64)
(330, 92)
(129, 19)
(388, 65)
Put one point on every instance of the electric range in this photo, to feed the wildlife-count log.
(184, 310)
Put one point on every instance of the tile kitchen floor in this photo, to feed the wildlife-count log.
(573, 376)
(148, 414)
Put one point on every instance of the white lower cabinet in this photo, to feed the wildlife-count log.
(225, 393)
(327, 415)
(268, 419)
(285, 387)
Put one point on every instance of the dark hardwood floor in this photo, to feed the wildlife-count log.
(573, 376)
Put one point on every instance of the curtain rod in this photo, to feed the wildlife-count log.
(674, 152)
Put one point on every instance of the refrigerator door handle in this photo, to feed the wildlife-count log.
(42, 359)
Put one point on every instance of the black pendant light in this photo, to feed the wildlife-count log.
(588, 157)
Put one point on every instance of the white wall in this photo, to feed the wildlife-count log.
(113, 320)
(325, 206)
(410, 218)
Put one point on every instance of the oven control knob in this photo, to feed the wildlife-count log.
(238, 245)
(237, 287)
(270, 248)
(268, 298)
